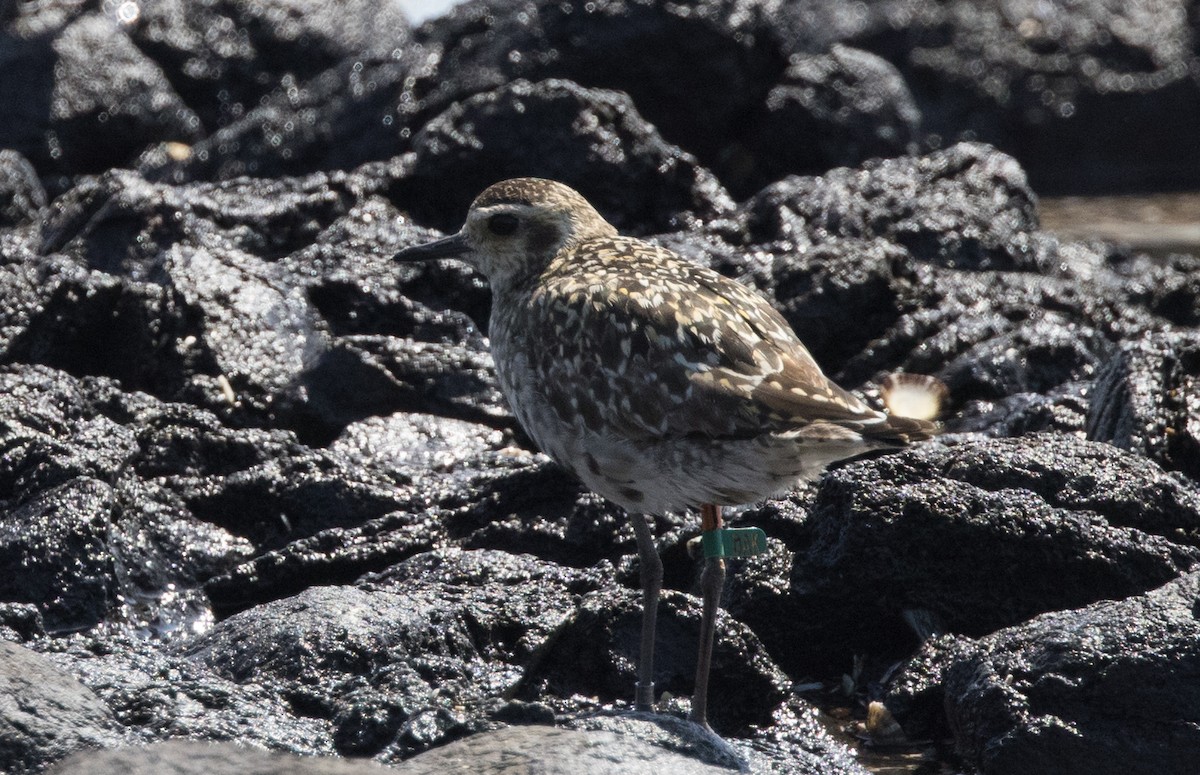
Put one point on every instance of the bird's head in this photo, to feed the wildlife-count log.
(515, 227)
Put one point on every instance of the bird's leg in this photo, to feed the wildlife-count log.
(711, 582)
(651, 570)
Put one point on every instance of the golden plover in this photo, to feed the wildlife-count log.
(661, 384)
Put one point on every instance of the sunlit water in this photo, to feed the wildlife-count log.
(420, 10)
(1159, 224)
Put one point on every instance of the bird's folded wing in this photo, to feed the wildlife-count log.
(686, 353)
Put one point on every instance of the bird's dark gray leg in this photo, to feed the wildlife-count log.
(651, 574)
(711, 582)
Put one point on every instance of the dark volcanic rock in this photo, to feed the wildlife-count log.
(110, 101)
(1147, 398)
(953, 280)
(421, 443)
(1111, 688)
(603, 634)
(1043, 83)
(972, 538)
(939, 262)
(224, 56)
(355, 112)
(753, 92)
(517, 503)
(92, 323)
(53, 434)
(46, 714)
(92, 90)
(260, 330)
(359, 290)
(915, 692)
(90, 99)
(443, 377)
(54, 552)
(218, 295)
(815, 289)
(179, 757)
(168, 293)
(598, 751)
(214, 491)
(156, 694)
(591, 139)
(1046, 352)
(1062, 409)
(805, 749)
(75, 452)
(827, 110)
(122, 223)
(292, 495)
(996, 336)
(20, 622)
(607, 744)
(968, 207)
(21, 193)
(388, 662)
(370, 106)
(1169, 287)
(486, 44)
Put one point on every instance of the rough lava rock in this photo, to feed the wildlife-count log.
(1041, 81)
(268, 89)
(85, 98)
(258, 483)
(55, 554)
(1147, 398)
(1082, 690)
(971, 537)
(828, 109)
(180, 757)
(722, 42)
(588, 138)
(21, 193)
(45, 713)
(224, 56)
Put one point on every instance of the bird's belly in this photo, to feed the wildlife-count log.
(671, 475)
(655, 475)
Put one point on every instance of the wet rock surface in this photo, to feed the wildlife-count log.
(1077, 690)
(1037, 523)
(187, 758)
(1146, 400)
(614, 158)
(1037, 80)
(46, 713)
(258, 485)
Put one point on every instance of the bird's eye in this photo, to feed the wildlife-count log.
(503, 224)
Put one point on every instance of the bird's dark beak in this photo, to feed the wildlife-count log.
(450, 247)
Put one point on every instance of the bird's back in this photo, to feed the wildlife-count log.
(625, 335)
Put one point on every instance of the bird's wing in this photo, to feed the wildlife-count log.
(658, 347)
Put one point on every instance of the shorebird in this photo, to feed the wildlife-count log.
(661, 384)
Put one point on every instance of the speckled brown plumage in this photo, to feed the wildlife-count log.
(661, 384)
